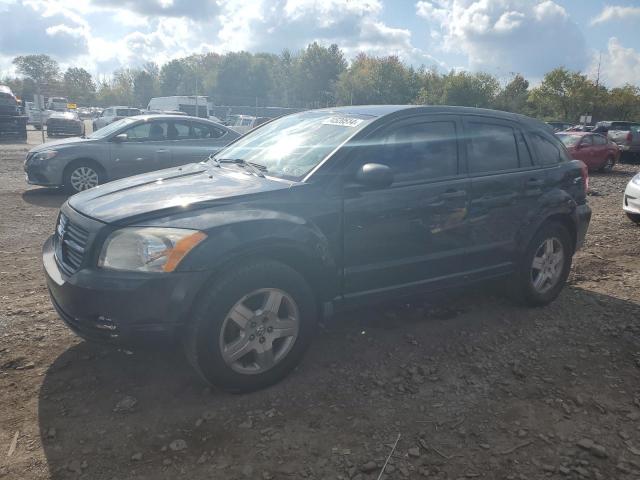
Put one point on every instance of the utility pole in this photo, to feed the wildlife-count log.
(197, 112)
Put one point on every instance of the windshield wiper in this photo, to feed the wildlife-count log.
(256, 168)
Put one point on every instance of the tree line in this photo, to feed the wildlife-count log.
(320, 76)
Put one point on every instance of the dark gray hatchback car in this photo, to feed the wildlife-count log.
(127, 147)
(312, 213)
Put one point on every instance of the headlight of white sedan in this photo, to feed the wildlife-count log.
(636, 179)
(148, 249)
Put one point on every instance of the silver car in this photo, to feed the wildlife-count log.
(127, 147)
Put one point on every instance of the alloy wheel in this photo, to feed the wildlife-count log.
(259, 331)
(547, 265)
(83, 178)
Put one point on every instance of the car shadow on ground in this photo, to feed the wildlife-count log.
(107, 412)
(45, 197)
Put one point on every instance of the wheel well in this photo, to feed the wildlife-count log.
(85, 161)
(567, 222)
(305, 265)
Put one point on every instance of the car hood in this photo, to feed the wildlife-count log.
(66, 142)
(160, 192)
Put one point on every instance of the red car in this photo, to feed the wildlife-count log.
(595, 150)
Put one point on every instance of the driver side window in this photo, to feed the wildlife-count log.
(418, 152)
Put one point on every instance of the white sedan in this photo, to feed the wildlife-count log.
(631, 201)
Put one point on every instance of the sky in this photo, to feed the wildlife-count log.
(501, 37)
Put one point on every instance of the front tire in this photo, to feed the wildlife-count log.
(544, 267)
(251, 327)
(82, 176)
(634, 217)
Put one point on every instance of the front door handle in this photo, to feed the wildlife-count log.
(535, 182)
(163, 150)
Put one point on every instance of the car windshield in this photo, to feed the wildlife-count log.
(292, 146)
(570, 140)
(112, 127)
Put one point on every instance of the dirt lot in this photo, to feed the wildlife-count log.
(474, 386)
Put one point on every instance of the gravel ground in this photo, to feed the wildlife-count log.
(471, 385)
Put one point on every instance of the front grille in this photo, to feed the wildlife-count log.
(71, 244)
(63, 127)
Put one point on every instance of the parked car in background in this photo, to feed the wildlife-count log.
(57, 104)
(605, 126)
(163, 112)
(243, 123)
(559, 126)
(126, 147)
(13, 121)
(84, 113)
(113, 114)
(631, 199)
(36, 117)
(628, 141)
(64, 124)
(595, 150)
(312, 213)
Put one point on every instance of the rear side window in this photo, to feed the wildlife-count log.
(422, 151)
(548, 152)
(587, 140)
(491, 148)
(201, 130)
(599, 140)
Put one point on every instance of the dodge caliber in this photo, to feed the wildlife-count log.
(314, 212)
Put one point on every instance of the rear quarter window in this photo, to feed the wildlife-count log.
(550, 151)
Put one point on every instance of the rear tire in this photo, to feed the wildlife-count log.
(235, 325)
(608, 165)
(634, 217)
(544, 267)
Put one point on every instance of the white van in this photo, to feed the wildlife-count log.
(183, 103)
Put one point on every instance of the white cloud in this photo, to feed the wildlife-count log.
(611, 13)
(619, 65)
(502, 36)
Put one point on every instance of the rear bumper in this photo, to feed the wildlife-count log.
(120, 307)
(583, 217)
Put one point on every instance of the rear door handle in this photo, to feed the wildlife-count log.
(453, 194)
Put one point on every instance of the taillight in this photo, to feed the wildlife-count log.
(629, 137)
(585, 176)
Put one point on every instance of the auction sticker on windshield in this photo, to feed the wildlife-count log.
(343, 121)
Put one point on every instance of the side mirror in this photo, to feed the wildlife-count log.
(121, 137)
(375, 175)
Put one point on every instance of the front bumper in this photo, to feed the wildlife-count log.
(583, 217)
(44, 173)
(631, 199)
(120, 307)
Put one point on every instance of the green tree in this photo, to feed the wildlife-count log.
(563, 95)
(317, 70)
(513, 97)
(40, 68)
(146, 84)
(622, 103)
(79, 85)
(470, 89)
(376, 80)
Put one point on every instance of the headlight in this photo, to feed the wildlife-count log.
(46, 155)
(148, 249)
(636, 179)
